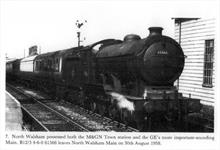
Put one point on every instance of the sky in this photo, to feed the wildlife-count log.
(50, 24)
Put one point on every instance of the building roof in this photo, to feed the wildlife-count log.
(10, 60)
(29, 58)
(179, 20)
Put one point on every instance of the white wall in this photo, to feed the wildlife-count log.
(27, 66)
(194, 34)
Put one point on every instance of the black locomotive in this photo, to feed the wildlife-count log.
(131, 81)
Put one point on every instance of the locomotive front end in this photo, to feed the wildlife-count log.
(142, 73)
(163, 59)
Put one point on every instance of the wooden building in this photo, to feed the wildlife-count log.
(197, 39)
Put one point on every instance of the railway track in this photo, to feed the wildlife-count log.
(93, 121)
(44, 117)
(50, 115)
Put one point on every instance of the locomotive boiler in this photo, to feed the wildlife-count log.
(154, 61)
(131, 81)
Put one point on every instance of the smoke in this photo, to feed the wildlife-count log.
(122, 102)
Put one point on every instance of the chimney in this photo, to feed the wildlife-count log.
(33, 50)
(155, 31)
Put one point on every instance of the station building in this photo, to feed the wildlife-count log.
(197, 39)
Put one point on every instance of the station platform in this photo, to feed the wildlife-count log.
(13, 114)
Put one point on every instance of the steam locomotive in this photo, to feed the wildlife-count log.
(131, 80)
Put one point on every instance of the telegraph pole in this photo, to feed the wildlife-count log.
(39, 49)
(78, 36)
(79, 25)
